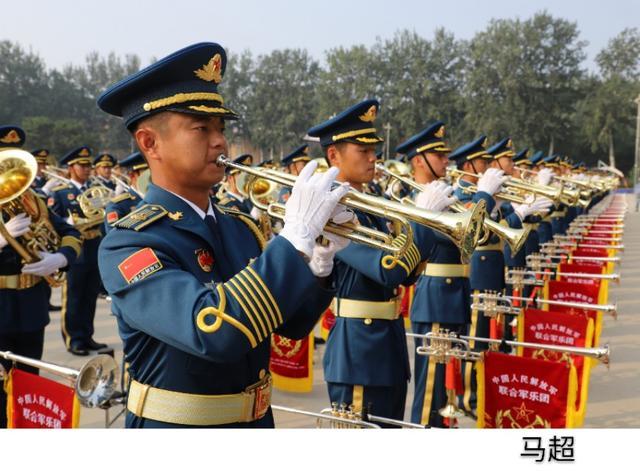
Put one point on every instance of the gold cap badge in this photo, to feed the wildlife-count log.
(370, 115)
(440, 132)
(211, 71)
(12, 137)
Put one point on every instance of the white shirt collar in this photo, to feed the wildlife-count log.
(198, 211)
(78, 185)
(236, 196)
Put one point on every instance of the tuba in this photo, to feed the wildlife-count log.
(18, 169)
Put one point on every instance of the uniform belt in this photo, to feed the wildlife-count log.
(533, 225)
(91, 234)
(384, 310)
(447, 270)
(199, 409)
(19, 281)
(557, 214)
(483, 248)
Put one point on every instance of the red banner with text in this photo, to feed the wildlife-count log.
(518, 392)
(37, 402)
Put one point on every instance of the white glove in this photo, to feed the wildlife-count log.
(581, 177)
(119, 190)
(436, 196)
(491, 181)
(544, 176)
(255, 213)
(538, 205)
(47, 187)
(321, 263)
(311, 204)
(16, 226)
(50, 263)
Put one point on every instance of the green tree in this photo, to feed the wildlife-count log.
(608, 109)
(523, 80)
(282, 104)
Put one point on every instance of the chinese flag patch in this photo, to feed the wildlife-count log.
(140, 265)
(112, 216)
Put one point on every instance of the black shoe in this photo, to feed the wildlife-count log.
(93, 345)
(54, 308)
(79, 350)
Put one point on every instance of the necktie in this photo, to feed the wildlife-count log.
(222, 263)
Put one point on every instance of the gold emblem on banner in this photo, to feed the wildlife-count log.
(505, 418)
(285, 347)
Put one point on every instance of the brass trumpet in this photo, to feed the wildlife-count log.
(610, 309)
(94, 383)
(515, 238)
(463, 229)
(17, 171)
(443, 344)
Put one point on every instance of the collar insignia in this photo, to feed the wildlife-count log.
(175, 216)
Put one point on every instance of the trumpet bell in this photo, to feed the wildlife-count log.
(18, 169)
(97, 380)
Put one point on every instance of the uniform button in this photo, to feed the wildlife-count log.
(367, 321)
(262, 373)
(449, 281)
(483, 257)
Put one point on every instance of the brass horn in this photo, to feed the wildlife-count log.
(94, 383)
(17, 171)
(515, 238)
(462, 229)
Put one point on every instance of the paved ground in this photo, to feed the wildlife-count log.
(614, 399)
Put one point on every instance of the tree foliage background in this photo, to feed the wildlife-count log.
(526, 79)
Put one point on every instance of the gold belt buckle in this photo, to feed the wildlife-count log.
(262, 394)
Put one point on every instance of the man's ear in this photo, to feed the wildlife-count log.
(332, 155)
(147, 140)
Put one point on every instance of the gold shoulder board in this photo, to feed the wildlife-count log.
(121, 197)
(255, 230)
(64, 186)
(142, 217)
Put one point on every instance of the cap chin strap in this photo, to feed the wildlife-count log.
(473, 167)
(424, 157)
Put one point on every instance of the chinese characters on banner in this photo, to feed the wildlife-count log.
(37, 402)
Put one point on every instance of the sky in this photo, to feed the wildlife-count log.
(65, 31)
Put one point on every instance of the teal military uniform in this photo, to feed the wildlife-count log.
(366, 361)
(164, 269)
(82, 285)
(24, 299)
(196, 298)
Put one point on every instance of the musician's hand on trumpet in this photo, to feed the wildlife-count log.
(16, 226)
(321, 263)
(48, 264)
(436, 196)
(491, 181)
(50, 185)
(311, 204)
(544, 176)
(534, 205)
